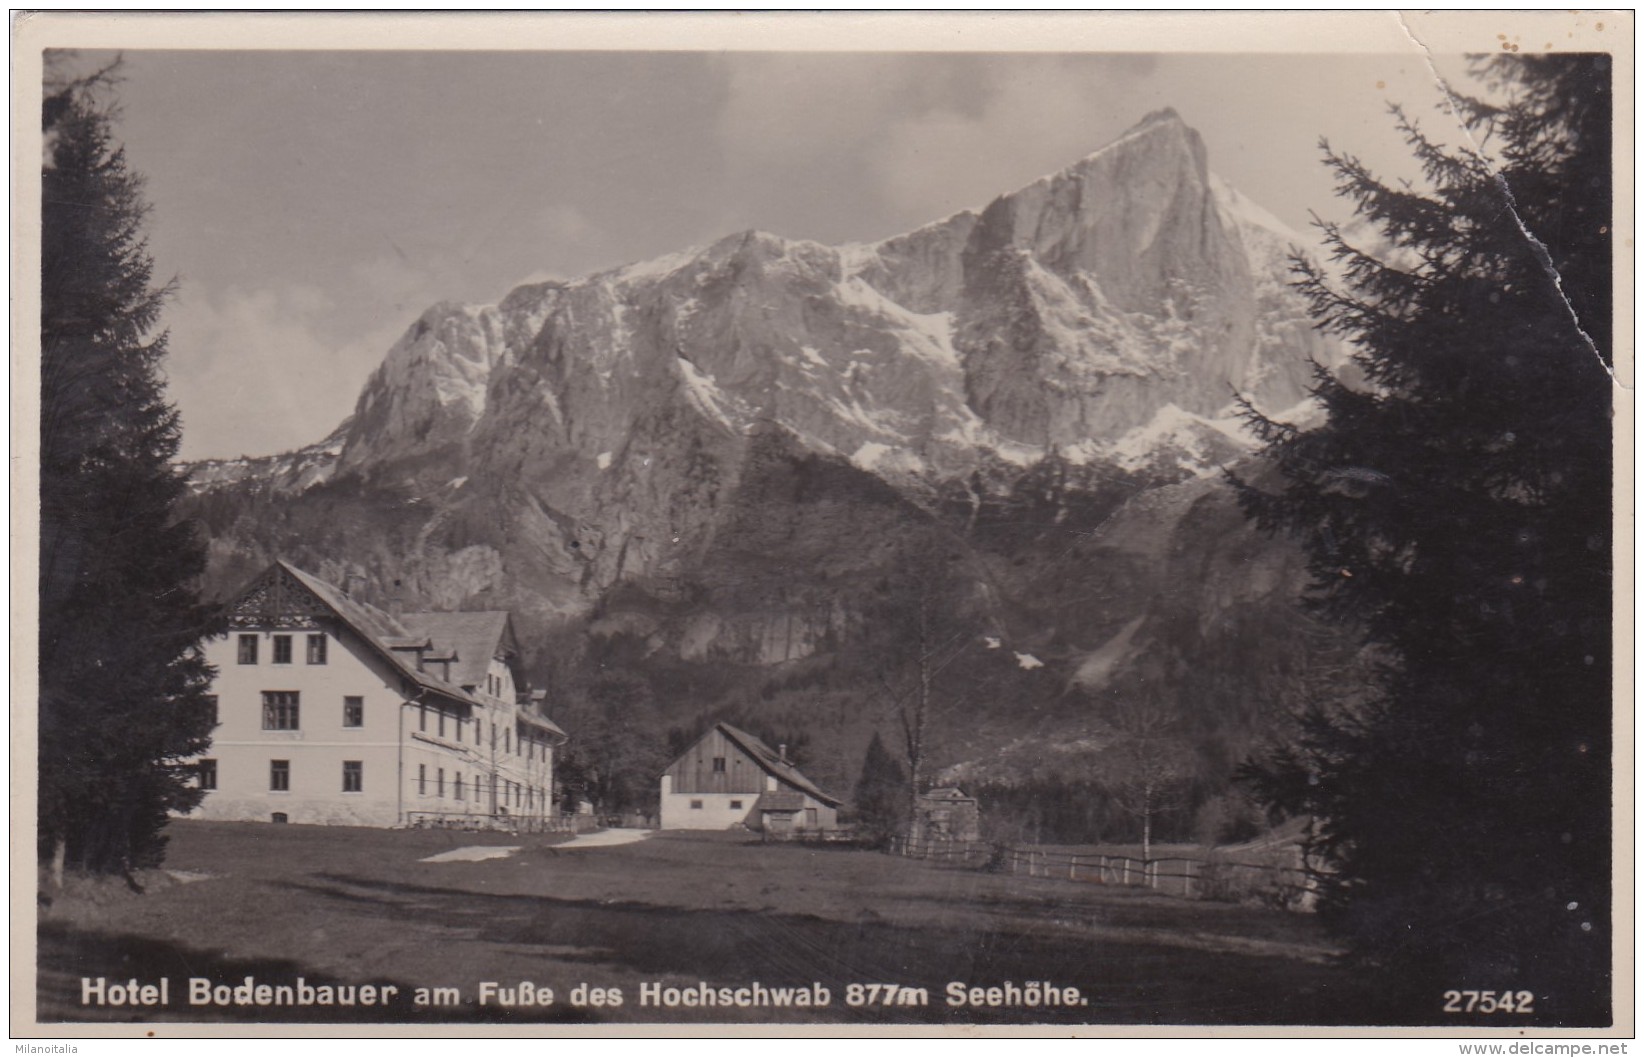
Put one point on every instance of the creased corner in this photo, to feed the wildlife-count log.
(1536, 245)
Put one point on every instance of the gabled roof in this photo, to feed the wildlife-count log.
(380, 631)
(772, 764)
(546, 724)
(477, 636)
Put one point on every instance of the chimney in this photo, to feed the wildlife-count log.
(348, 581)
(782, 752)
(395, 604)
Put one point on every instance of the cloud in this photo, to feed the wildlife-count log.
(912, 138)
(1035, 117)
(543, 275)
(565, 223)
(397, 284)
(253, 371)
(791, 110)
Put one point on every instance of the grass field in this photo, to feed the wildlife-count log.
(354, 906)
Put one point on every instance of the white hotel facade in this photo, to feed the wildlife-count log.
(331, 711)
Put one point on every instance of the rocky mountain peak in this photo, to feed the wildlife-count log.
(1099, 313)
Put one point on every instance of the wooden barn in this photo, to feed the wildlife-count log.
(729, 777)
(946, 814)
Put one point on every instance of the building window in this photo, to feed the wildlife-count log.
(442, 723)
(507, 741)
(459, 793)
(479, 731)
(282, 650)
(248, 650)
(719, 765)
(422, 718)
(736, 804)
(353, 711)
(439, 787)
(696, 803)
(279, 775)
(422, 780)
(316, 649)
(216, 709)
(279, 710)
(353, 776)
(207, 771)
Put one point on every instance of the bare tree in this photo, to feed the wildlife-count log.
(929, 613)
(1150, 764)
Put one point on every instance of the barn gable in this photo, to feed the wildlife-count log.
(729, 778)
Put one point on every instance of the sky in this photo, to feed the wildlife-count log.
(312, 204)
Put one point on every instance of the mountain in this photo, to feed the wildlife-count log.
(707, 468)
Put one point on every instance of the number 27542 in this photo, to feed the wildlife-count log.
(1469, 1002)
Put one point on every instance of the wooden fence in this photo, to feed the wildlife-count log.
(1193, 877)
(814, 836)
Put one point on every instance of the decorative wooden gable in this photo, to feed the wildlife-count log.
(278, 600)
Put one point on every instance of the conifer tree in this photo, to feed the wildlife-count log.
(881, 795)
(1456, 508)
(122, 685)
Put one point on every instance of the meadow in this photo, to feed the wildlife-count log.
(701, 917)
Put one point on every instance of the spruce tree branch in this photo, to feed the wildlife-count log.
(1537, 247)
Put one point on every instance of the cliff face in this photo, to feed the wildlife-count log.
(1096, 296)
(717, 452)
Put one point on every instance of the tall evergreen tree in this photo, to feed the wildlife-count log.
(881, 797)
(122, 684)
(1456, 507)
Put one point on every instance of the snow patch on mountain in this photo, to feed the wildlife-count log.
(704, 395)
(1191, 439)
(887, 459)
(1089, 344)
(285, 473)
(927, 336)
(655, 268)
(1238, 207)
(1100, 665)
